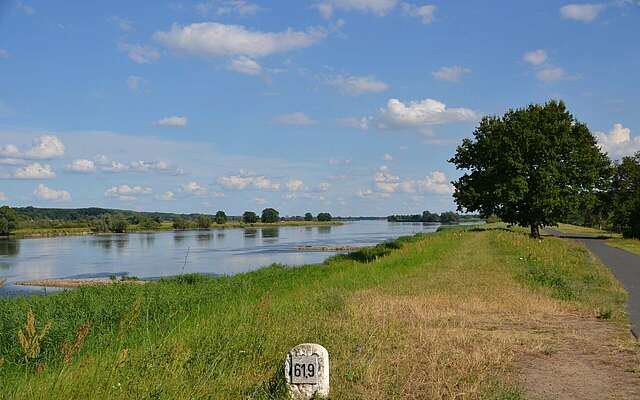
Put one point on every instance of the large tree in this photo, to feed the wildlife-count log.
(529, 167)
(8, 220)
(625, 194)
(249, 217)
(270, 215)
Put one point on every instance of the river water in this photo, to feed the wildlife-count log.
(153, 255)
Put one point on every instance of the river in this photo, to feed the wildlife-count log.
(152, 255)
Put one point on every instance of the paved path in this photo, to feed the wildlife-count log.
(624, 265)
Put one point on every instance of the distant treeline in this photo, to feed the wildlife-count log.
(113, 220)
(449, 217)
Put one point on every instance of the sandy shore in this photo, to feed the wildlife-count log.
(74, 283)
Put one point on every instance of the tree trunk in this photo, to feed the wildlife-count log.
(535, 231)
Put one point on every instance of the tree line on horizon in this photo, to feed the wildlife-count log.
(101, 220)
(448, 217)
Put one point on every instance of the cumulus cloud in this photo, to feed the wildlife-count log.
(387, 157)
(212, 39)
(140, 54)
(166, 196)
(535, 57)
(451, 74)
(357, 85)
(82, 166)
(44, 193)
(419, 114)
(248, 181)
(387, 183)
(296, 118)
(361, 123)
(127, 192)
(260, 200)
(295, 185)
(43, 148)
(107, 165)
(35, 171)
(551, 74)
(581, 12)
(172, 121)
(618, 142)
(224, 7)
(245, 65)
(115, 167)
(376, 7)
(194, 188)
(425, 12)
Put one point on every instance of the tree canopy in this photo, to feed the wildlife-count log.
(625, 196)
(8, 220)
(221, 218)
(249, 217)
(308, 217)
(324, 217)
(270, 215)
(529, 167)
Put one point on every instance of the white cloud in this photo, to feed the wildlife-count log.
(422, 113)
(4, 54)
(245, 65)
(45, 193)
(11, 161)
(108, 165)
(246, 180)
(356, 85)
(425, 12)
(194, 188)
(551, 74)
(172, 121)
(387, 157)
(3, 197)
(149, 166)
(137, 84)
(451, 74)
(618, 142)
(323, 187)
(377, 7)
(115, 167)
(295, 185)
(213, 39)
(535, 57)
(361, 123)
(127, 192)
(140, 54)
(385, 181)
(35, 171)
(223, 7)
(123, 24)
(436, 182)
(336, 161)
(166, 196)
(43, 148)
(581, 12)
(25, 8)
(296, 118)
(260, 200)
(82, 166)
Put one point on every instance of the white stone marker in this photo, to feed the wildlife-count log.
(307, 371)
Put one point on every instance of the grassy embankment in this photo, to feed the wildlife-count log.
(165, 226)
(445, 315)
(615, 239)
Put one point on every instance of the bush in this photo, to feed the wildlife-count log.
(308, 217)
(180, 223)
(324, 217)
(203, 221)
(221, 218)
(8, 220)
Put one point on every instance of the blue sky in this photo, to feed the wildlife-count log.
(347, 106)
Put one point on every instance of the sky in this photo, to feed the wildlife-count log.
(346, 106)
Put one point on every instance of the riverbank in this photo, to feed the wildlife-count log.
(27, 233)
(475, 313)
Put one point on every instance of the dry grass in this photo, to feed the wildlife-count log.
(630, 245)
(568, 228)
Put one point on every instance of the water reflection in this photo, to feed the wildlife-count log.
(147, 239)
(270, 232)
(325, 230)
(9, 247)
(179, 237)
(204, 237)
(250, 232)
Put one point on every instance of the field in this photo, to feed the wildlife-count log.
(481, 313)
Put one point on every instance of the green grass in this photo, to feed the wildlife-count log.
(568, 228)
(381, 312)
(630, 245)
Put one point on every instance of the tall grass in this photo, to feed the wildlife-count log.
(403, 319)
